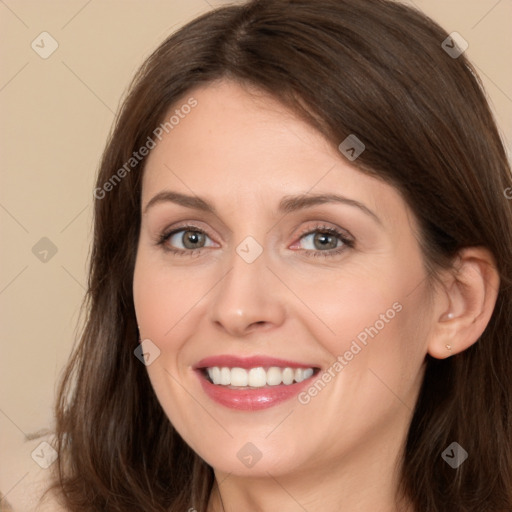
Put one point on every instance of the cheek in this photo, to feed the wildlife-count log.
(164, 303)
(163, 297)
(345, 303)
(372, 316)
(155, 303)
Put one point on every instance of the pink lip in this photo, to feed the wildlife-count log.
(249, 399)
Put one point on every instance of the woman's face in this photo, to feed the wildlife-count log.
(262, 283)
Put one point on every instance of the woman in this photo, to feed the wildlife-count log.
(299, 293)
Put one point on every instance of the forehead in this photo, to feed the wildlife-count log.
(239, 147)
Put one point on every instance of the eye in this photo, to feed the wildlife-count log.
(190, 240)
(185, 240)
(325, 241)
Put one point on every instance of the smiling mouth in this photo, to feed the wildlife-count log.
(257, 377)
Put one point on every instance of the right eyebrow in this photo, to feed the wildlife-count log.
(181, 199)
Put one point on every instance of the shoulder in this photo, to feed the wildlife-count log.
(34, 466)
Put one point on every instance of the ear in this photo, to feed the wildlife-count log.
(465, 305)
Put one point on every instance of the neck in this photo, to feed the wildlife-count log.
(365, 480)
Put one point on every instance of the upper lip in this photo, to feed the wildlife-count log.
(232, 361)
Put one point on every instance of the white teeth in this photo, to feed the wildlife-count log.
(258, 377)
(274, 376)
(214, 373)
(308, 372)
(303, 374)
(299, 374)
(288, 375)
(239, 377)
(225, 377)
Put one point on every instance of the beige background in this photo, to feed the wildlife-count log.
(55, 116)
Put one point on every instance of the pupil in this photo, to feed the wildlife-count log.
(192, 238)
(323, 238)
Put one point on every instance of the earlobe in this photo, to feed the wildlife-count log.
(471, 291)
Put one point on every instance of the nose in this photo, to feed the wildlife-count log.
(248, 298)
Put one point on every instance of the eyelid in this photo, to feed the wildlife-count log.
(325, 227)
(191, 224)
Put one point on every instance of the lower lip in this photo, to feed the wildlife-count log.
(251, 399)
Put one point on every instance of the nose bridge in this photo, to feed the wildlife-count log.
(248, 294)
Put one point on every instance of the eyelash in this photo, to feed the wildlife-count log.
(347, 242)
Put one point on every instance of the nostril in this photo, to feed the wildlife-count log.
(255, 324)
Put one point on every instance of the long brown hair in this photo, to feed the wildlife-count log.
(372, 68)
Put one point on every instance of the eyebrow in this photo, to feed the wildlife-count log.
(288, 204)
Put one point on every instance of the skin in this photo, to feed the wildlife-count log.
(243, 152)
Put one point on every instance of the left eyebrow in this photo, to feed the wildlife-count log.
(290, 204)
